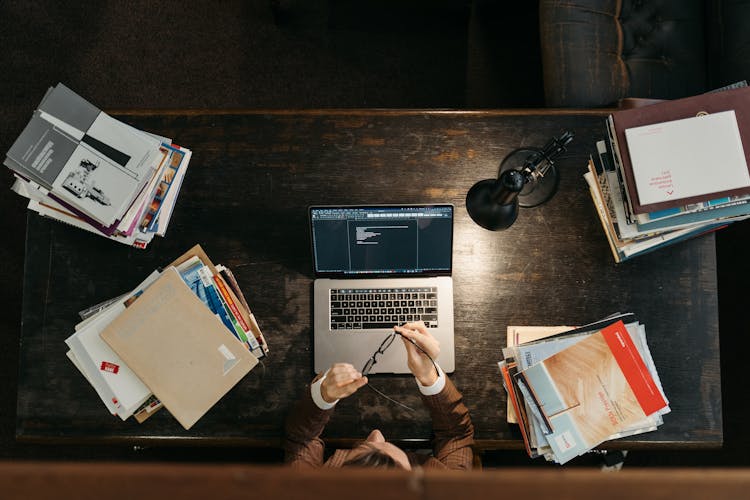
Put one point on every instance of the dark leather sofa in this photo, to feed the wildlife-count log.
(597, 52)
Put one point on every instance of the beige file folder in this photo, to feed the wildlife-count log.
(179, 348)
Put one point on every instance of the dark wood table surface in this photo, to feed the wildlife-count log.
(244, 198)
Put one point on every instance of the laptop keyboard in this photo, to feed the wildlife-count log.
(368, 308)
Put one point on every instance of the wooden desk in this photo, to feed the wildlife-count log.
(244, 199)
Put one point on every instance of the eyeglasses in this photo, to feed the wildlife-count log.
(385, 345)
(374, 358)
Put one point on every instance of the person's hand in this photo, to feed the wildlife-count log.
(342, 381)
(419, 364)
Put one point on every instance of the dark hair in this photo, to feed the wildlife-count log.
(372, 457)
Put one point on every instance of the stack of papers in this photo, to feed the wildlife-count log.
(662, 182)
(571, 389)
(123, 345)
(78, 165)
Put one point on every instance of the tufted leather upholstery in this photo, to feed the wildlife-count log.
(596, 52)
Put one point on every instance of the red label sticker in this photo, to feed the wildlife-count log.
(109, 367)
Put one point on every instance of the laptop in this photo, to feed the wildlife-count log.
(375, 267)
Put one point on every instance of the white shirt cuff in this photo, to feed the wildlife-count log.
(317, 395)
(435, 388)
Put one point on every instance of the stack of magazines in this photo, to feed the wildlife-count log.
(78, 165)
(571, 389)
(188, 322)
(672, 170)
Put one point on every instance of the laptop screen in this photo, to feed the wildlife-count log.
(382, 240)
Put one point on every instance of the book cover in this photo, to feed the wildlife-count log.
(591, 390)
(714, 102)
(687, 158)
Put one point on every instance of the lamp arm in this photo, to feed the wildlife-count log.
(536, 165)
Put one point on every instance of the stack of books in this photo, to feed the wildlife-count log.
(571, 389)
(181, 339)
(672, 170)
(78, 165)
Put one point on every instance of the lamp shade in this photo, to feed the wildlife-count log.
(493, 203)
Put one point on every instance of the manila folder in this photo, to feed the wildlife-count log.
(179, 348)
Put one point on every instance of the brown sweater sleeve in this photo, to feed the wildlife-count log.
(454, 432)
(304, 425)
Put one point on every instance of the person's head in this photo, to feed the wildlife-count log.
(375, 451)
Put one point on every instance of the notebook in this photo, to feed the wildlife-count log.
(375, 267)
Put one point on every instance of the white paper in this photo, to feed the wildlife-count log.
(91, 352)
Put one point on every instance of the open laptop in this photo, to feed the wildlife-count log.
(375, 267)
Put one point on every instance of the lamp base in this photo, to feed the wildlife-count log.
(485, 211)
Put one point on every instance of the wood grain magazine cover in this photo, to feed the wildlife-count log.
(179, 348)
(714, 102)
(593, 389)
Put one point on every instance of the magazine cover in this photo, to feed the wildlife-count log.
(596, 388)
(75, 171)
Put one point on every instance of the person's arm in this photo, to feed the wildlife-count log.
(304, 425)
(454, 433)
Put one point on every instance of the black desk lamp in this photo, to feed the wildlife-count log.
(527, 177)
